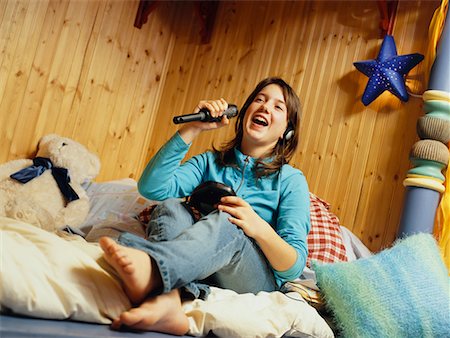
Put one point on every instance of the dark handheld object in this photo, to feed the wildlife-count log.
(205, 116)
(208, 194)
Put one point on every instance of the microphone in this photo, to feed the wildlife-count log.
(205, 116)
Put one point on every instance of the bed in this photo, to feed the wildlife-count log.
(75, 294)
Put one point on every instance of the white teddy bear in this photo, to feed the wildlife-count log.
(47, 191)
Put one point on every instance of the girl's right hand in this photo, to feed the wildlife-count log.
(216, 108)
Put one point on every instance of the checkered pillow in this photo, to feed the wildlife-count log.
(325, 242)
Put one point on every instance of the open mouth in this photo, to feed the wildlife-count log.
(260, 121)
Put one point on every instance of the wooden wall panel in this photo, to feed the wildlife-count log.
(23, 22)
(80, 68)
(354, 156)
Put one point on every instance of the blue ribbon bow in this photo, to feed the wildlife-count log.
(61, 176)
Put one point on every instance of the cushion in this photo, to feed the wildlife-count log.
(45, 276)
(114, 206)
(400, 292)
(113, 201)
(325, 241)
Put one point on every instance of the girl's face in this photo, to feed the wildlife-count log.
(265, 121)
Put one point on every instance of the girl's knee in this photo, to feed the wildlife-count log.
(168, 220)
(220, 219)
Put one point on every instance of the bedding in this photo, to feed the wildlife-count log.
(26, 327)
(63, 276)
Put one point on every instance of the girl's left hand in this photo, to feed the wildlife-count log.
(243, 215)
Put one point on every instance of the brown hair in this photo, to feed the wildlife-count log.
(284, 149)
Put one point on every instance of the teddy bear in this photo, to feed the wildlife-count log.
(47, 191)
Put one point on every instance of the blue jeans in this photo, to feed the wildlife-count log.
(187, 252)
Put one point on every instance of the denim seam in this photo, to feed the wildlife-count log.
(161, 234)
(158, 236)
(164, 273)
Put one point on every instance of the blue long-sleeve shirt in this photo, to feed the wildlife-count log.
(282, 200)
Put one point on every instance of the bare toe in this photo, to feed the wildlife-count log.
(162, 313)
(107, 244)
(133, 267)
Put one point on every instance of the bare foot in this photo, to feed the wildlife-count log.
(133, 266)
(162, 313)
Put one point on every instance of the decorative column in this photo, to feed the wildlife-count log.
(430, 155)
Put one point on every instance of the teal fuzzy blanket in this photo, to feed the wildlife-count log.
(400, 292)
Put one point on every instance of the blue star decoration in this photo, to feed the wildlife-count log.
(387, 72)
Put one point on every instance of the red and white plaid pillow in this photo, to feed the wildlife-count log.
(325, 242)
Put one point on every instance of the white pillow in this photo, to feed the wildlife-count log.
(43, 275)
(112, 201)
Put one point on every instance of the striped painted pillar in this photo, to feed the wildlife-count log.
(429, 156)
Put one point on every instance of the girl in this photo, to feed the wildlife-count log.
(255, 241)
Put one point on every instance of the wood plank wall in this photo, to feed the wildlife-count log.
(80, 69)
